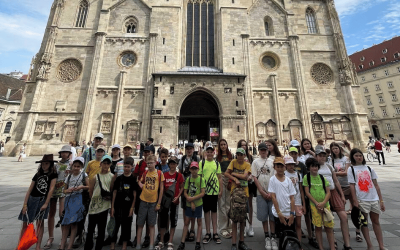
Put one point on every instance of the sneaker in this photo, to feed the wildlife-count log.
(268, 245)
(274, 244)
(146, 242)
(77, 242)
(233, 248)
(166, 237)
(245, 231)
(134, 242)
(243, 246)
(250, 231)
(312, 242)
(197, 247)
(158, 239)
(181, 246)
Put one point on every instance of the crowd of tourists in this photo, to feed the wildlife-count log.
(217, 185)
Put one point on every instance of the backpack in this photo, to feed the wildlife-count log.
(352, 170)
(288, 241)
(169, 194)
(322, 179)
(238, 205)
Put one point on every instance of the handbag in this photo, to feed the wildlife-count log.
(106, 195)
(169, 195)
(29, 237)
(328, 216)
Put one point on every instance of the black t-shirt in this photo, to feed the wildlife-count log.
(123, 201)
(42, 184)
(301, 169)
(113, 164)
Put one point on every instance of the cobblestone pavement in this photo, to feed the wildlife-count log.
(16, 176)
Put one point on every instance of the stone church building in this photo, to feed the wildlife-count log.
(190, 69)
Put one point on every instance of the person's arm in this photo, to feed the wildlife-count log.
(160, 195)
(292, 209)
(221, 185)
(303, 200)
(28, 193)
(228, 174)
(132, 210)
(92, 182)
(378, 190)
(353, 194)
(338, 187)
(278, 211)
(113, 203)
(201, 195)
(243, 176)
(112, 182)
(179, 194)
(49, 194)
(264, 194)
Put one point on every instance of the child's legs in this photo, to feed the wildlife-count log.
(199, 229)
(234, 232)
(52, 213)
(89, 236)
(64, 230)
(207, 216)
(318, 235)
(101, 229)
(74, 229)
(61, 202)
(242, 226)
(330, 236)
(118, 222)
(173, 221)
(185, 227)
(250, 207)
(24, 225)
(298, 227)
(377, 228)
(152, 229)
(39, 231)
(139, 234)
(344, 226)
(163, 217)
(214, 221)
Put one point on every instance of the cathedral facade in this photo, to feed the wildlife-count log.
(190, 69)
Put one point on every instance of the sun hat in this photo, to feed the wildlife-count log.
(279, 160)
(194, 164)
(65, 148)
(293, 149)
(46, 158)
(106, 157)
(241, 151)
(99, 135)
(289, 160)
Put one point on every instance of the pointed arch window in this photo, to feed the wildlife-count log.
(82, 14)
(131, 25)
(200, 33)
(311, 22)
(268, 26)
(7, 129)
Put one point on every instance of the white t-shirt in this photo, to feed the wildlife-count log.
(325, 170)
(196, 146)
(283, 191)
(171, 151)
(340, 165)
(365, 188)
(75, 181)
(303, 158)
(263, 169)
(294, 177)
(73, 150)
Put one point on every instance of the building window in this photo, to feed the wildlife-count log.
(396, 55)
(384, 112)
(394, 97)
(383, 59)
(362, 59)
(311, 23)
(381, 100)
(233, 42)
(131, 25)
(366, 90)
(374, 75)
(377, 87)
(237, 104)
(384, 51)
(397, 110)
(386, 72)
(164, 102)
(268, 26)
(390, 85)
(7, 129)
(363, 78)
(371, 63)
(82, 14)
(388, 126)
(398, 69)
(372, 113)
(200, 33)
(266, 29)
(360, 66)
(233, 60)
(238, 128)
(369, 102)
(160, 130)
(163, 40)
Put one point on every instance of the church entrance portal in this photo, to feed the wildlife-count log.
(199, 118)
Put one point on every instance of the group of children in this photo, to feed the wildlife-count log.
(286, 188)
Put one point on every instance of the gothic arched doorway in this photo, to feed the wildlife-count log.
(375, 130)
(199, 118)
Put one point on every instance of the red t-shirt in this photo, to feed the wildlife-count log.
(139, 171)
(378, 145)
(170, 179)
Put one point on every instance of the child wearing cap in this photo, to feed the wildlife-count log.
(116, 157)
(90, 153)
(262, 171)
(99, 203)
(282, 191)
(238, 173)
(314, 184)
(75, 212)
(152, 185)
(93, 166)
(210, 170)
(123, 204)
(169, 216)
(297, 181)
(194, 192)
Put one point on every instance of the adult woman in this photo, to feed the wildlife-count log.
(22, 153)
(224, 157)
(252, 188)
(307, 150)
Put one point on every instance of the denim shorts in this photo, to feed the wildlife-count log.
(147, 211)
(34, 205)
(264, 209)
(194, 214)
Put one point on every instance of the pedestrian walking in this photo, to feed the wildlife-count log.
(379, 150)
(22, 153)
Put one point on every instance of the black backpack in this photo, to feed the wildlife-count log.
(288, 241)
(169, 194)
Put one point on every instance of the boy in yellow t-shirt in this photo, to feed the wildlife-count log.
(152, 184)
(93, 166)
(238, 173)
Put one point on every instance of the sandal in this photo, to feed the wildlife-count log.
(191, 236)
(159, 246)
(170, 246)
(358, 237)
(217, 239)
(348, 212)
(48, 243)
(225, 234)
(207, 238)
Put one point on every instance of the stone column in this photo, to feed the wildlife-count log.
(250, 123)
(301, 90)
(276, 107)
(118, 109)
(87, 116)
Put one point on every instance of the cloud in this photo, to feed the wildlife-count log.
(346, 7)
(353, 46)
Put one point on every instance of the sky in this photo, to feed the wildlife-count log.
(22, 25)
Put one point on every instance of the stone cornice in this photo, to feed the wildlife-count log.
(272, 41)
(123, 40)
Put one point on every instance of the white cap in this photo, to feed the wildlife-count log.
(295, 143)
(99, 135)
(80, 159)
(116, 146)
(288, 159)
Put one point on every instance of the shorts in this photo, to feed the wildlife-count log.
(299, 210)
(336, 202)
(369, 206)
(317, 219)
(194, 214)
(170, 213)
(147, 211)
(253, 189)
(210, 203)
(264, 209)
(33, 213)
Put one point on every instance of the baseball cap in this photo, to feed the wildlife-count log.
(288, 160)
(130, 146)
(262, 146)
(319, 150)
(116, 146)
(293, 149)
(209, 147)
(106, 157)
(295, 143)
(101, 147)
(99, 135)
(189, 145)
(147, 148)
(173, 159)
(80, 159)
(194, 164)
(241, 151)
(279, 160)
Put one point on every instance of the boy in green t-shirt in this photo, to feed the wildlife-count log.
(210, 170)
(319, 199)
(194, 191)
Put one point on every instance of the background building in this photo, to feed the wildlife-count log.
(177, 70)
(11, 90)
(378, 72)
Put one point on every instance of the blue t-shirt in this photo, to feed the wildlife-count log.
(164, 168)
